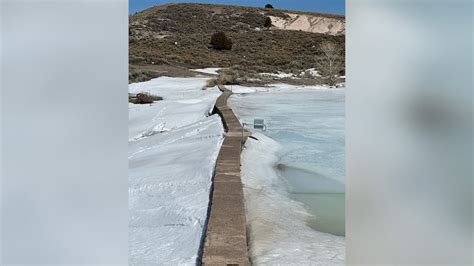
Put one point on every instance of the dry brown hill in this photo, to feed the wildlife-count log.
(179, 34)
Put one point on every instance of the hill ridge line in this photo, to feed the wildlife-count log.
(332, 15)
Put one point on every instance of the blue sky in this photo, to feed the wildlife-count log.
(323, 6)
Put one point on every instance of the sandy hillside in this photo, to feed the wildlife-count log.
(310, 23)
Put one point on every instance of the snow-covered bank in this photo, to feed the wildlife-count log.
(184, 102)
(277, 229)
(173, 146)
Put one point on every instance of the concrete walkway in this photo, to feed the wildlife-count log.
(226, 241)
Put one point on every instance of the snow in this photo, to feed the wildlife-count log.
(173, 146)
(278, 74)
(241, 89)
(275, 88)
(312, 71)
(184, 103)
(209, 70)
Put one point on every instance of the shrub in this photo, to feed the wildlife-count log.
(210, 83)
(331, 61)
(307, 74)
(229, 76)
(220, 41)
(143, 98)
(268, 22)
(268, 6)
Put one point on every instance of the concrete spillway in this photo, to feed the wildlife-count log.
(225, 240)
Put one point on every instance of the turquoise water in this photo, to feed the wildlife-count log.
(309, 125)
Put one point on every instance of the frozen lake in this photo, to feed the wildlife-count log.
(305, 131)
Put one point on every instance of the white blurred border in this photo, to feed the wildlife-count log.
(409, 132)
(64, 185)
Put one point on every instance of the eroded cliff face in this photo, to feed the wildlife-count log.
(310, 23)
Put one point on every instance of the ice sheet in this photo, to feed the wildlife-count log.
(306, 126)
(308, 120)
